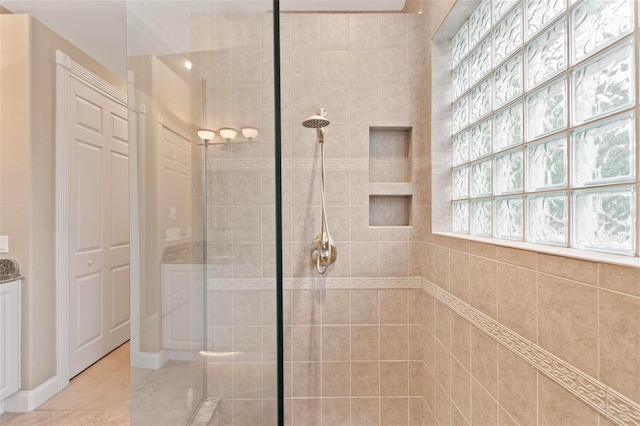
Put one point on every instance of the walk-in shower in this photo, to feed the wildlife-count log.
(323, 248)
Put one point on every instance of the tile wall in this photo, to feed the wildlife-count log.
(348, 358)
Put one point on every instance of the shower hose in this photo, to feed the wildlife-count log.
(324, 251)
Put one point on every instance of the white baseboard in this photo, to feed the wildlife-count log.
(180, 355)
(25, 401)
(149, 360)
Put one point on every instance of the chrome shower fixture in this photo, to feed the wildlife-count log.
(323, 249)
(317, 121)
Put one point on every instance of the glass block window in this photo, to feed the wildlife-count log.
(544, 123)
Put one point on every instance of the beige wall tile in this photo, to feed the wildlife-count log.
(247, 380)
(416, 342)
(305, 307)
(306, 379)
(334, 65)
(443, 406)
(482, 286)
(335, 307)
(245, 31)
(305, 31)
(306, 342)
(505, 419)
(442, 241)
(443, 367)
(460, 244)
(619, 323)
(394, 411)
(392, 65)
(484, 360)
(393, 104)
(416, 301)
(483, 249)
(568, 321)
(429, 388)
(393, 31)
(246, 412)
(415, 378)
(517, 299)
(575, 269)
(459, 275)
(394, 342)
(517, 387)
(364, 306)
(307, 412)
(335, 343)
(443, 324)
(363, 104)
(247, 308)
(461, 340)
(363, 68)
(247, 341)
(620, 278)
(362, 255)
(394, 260)
(523, 258)
(429, 313)
(365, 411)
(557, 406)
(461, 389)
(484, 409)
(429, 351)
(393, 307)
(335, 379)
(363, 31)
(394, 378)
(335, 31)
(336, 411)
(441, 267)
(365, 342)
(365, 378)
(415, 411)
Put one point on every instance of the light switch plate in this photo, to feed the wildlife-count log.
(4, 244)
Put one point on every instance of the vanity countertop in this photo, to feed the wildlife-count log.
(9, 271)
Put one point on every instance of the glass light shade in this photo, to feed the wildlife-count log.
(206, 134)
(250, 133)
(228, 133)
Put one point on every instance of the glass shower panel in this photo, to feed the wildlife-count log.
(207, 203)
(168, 380)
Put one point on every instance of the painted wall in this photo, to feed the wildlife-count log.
(27, 176)
(172, 95)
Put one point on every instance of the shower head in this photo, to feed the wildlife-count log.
(317, 121)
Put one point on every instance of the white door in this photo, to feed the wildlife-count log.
(98, 194)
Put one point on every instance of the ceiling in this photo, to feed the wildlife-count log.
(160, 27)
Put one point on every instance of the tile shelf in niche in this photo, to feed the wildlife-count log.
(390, 210)
(391, 188)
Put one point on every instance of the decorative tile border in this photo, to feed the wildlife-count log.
(316, 283)
(615, 406)
(287, 163)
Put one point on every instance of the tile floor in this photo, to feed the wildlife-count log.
(99, 395)
(103, 395)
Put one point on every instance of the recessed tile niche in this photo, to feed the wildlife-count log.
(390, 176)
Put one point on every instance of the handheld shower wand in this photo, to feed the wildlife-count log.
(323, 249)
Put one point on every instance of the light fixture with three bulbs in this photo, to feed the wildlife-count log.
(228, 134)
